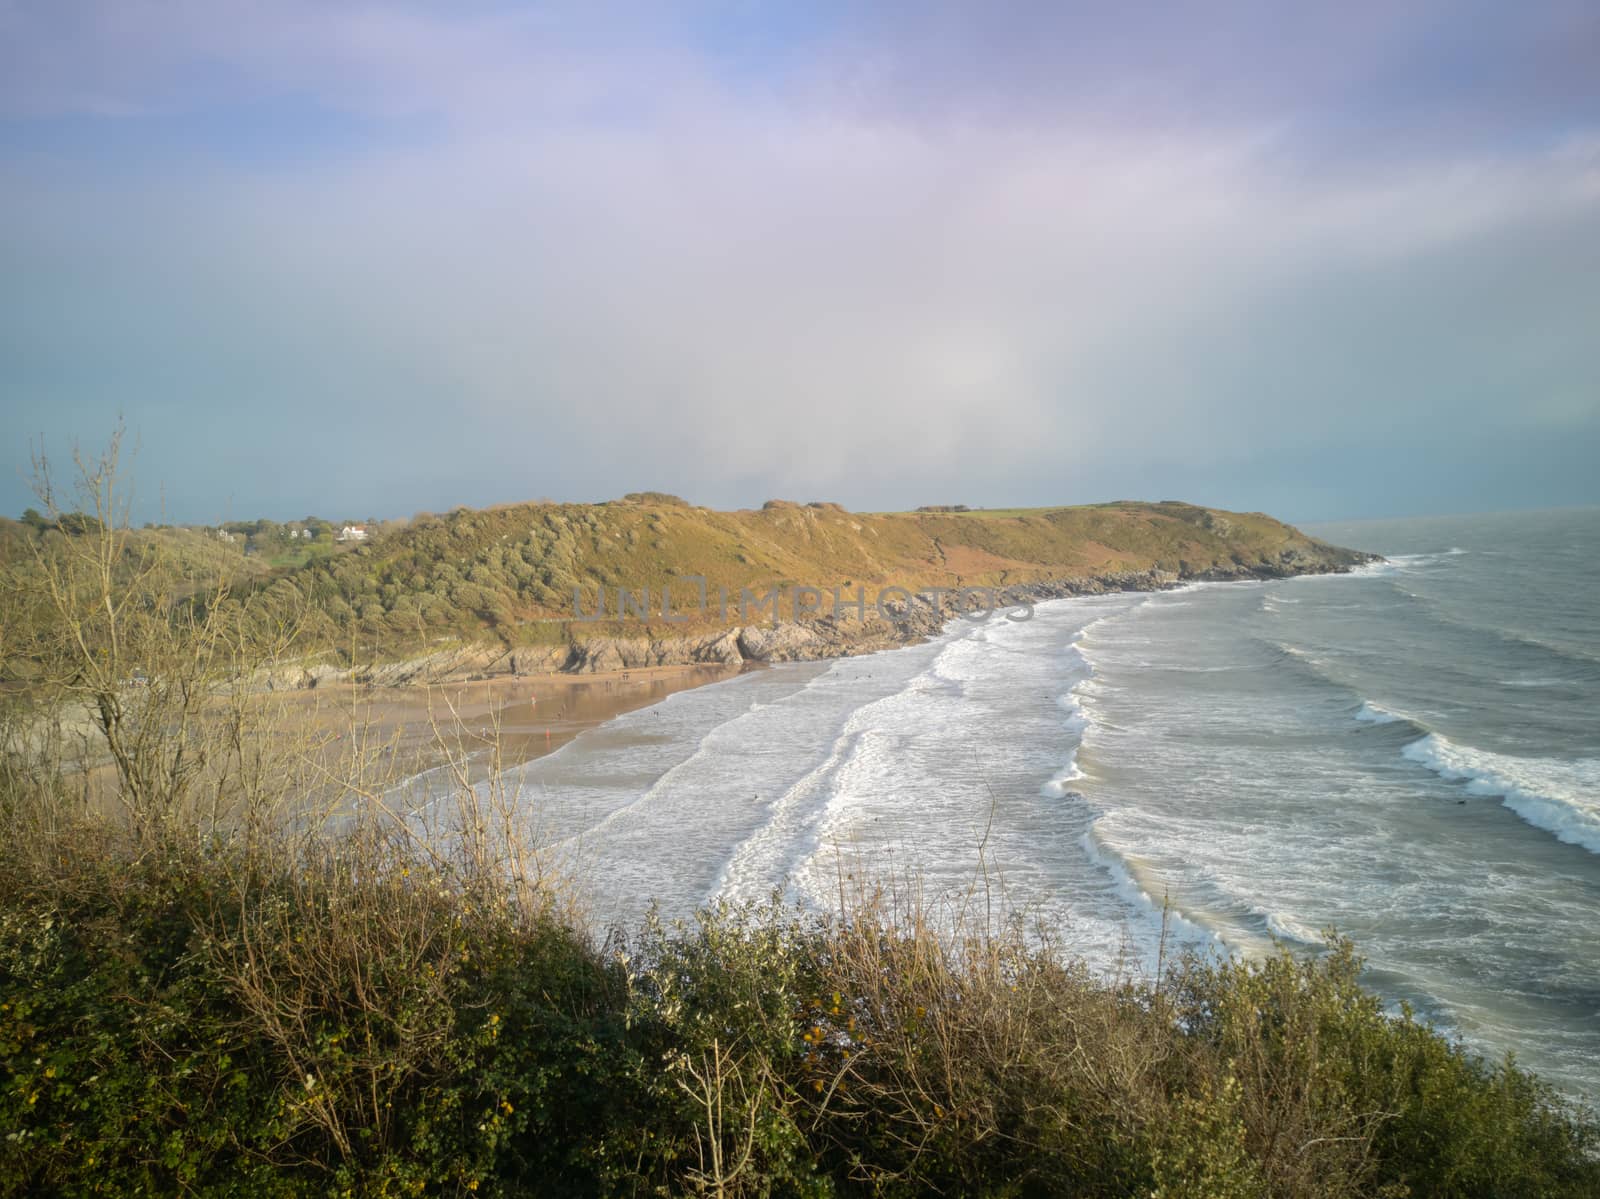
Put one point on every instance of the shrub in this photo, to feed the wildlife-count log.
(194, 1022)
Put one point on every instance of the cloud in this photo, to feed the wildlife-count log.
(887, 269)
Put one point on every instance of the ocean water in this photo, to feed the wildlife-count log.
(1409, 753)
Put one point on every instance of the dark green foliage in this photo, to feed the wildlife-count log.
(773, 1054)
(77, 524)
(124, 1066)
(656, 499)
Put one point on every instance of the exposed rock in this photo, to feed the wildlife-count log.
(323, 673)
(544, 659)
(596, 654)
(834, 635)
(280, 678)
(786, 642)
(719, 649)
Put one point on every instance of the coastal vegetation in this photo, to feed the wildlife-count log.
(366, 1020)
(509, 573)
(237, 958)
(518, 575)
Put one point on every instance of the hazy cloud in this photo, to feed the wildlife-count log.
(366, 259)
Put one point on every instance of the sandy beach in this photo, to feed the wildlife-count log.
(521, 718)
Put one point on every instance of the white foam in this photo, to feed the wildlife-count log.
(1371, 713)
(765, 858)
(1078, 721)
(1561, 797)
(1287, 928)
(1058, 786)
(1160, 917)
(1302, 655)
(1367, 570)
(1414, 561)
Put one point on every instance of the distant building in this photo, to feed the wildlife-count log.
(353, 533)
(224, 535)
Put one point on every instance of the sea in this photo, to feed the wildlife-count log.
(1408, 754)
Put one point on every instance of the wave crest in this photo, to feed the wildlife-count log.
(1371, 713)
(1556, 796)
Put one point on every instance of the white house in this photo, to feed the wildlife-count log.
(353, 533)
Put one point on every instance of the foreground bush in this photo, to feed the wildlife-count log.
(187, 1023)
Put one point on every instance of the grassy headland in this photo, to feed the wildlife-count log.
(494, 591)
(510, 572)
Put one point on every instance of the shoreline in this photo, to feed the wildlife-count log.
(504, 721)
(489, 704)
(525, 716)
(825, 637)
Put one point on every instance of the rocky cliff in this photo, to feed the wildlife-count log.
(827, 635)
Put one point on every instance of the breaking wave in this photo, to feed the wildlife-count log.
(1560, 797)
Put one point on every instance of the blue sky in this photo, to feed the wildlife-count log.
(368, 259)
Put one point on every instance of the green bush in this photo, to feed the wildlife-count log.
(180, 1024)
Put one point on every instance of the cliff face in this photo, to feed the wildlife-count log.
(833, 633)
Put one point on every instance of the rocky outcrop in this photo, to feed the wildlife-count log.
(543, 659)
(786, 642)
(629, 653)
(831, 636)
(463, 662)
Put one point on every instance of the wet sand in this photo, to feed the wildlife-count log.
(509, 720)
(324, 733)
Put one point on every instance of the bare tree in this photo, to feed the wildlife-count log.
(148, 646)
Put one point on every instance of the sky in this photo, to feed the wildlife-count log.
(368, 259)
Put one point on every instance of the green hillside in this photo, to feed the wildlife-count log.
(507, 574)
